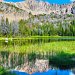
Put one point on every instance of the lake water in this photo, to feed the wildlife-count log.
(50, 72)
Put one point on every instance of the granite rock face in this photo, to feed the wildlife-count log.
(22, 10)
(73, 10)
(10, 11)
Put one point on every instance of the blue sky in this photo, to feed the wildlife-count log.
(50, 1)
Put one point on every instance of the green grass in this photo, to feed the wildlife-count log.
(66, 46)
(37, 37)
(23, 46)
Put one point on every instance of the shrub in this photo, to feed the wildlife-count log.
(5, 72)
(32, 57)
(62, 61)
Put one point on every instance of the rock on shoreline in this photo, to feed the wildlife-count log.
(38, 66)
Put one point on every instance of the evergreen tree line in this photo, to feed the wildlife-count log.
(23, 29)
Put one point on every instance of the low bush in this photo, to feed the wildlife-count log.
(4, 71)
(62, 60)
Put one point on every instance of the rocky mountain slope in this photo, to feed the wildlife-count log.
(23, 10)
(10, 11)
(36, 7)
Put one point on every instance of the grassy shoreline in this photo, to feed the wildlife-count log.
(66, 46)
(53, 48)
(20, 45)
(35, 37)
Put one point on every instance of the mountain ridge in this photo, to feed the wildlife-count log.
(22, 10)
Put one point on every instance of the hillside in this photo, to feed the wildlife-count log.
(10, 11)
(24, 10)
(36, 7)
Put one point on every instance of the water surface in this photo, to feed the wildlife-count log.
(50, 72)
